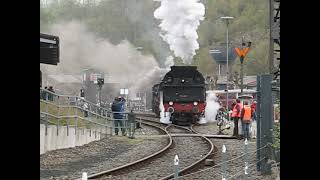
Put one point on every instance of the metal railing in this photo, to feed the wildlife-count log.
(78, 112)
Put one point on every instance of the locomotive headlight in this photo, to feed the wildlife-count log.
(195, 103)
(182, 80)
(170, 103)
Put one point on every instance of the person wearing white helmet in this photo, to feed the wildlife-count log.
(253, 125)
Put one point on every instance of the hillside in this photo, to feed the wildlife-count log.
(133, 20)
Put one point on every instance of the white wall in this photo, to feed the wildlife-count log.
(63, 139)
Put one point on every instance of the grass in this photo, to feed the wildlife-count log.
(276, 135)
(67, 111)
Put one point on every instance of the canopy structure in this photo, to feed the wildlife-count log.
(49, 49)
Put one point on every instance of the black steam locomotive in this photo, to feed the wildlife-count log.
(182, 92)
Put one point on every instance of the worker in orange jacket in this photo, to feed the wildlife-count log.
(236, 114)
(246, 118)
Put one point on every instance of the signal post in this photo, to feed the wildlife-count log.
(242, 52)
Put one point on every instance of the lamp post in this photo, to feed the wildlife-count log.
(227, 22)
(241, 61)
(145, 97)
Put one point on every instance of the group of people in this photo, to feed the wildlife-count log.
(48, 96)
(118, 109)
(246, 114)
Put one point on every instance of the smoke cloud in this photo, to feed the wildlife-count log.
(169, 62)
(212, 108)
(179, 22)
(122, 63)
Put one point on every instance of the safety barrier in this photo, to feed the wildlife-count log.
(243, 167)
(71, 113)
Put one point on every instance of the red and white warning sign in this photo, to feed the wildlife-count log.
(94, 77)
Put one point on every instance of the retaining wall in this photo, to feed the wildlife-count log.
(67, 137)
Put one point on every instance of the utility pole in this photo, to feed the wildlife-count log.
(271, 41)
(241, 68)
(264, 122)
(145, 101)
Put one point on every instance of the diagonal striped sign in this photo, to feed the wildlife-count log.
(242, 52)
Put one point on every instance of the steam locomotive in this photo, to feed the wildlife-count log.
(182, 92)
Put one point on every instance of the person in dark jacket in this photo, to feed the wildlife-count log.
(50, 96)
(236, 110)
(132, 119)
(118, 106)
(253, 108)
(81, 92)
(45, 94)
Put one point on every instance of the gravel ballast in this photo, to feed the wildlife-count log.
(98, 156)
(188, 149)
(115, 151)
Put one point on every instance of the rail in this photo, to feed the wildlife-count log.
(145, 159)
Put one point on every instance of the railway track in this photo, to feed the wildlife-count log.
(126, 167)
(160, 164)
(195, 128)
(199, 163)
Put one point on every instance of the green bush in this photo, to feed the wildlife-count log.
(276, 135)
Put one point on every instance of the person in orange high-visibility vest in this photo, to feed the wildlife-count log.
(236, 113)
(246, 118)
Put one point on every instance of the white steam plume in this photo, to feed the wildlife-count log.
(164, 116)
(81, 49)
(169, 62)
(180, 20)
(151, 77)
(211, 109)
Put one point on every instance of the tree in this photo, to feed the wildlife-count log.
(235, 78)
(133, 20)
